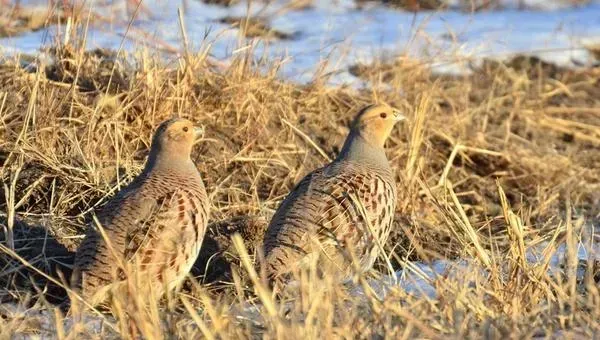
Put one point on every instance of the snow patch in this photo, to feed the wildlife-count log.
(337, 34)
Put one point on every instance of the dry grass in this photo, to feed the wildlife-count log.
(464, 5)
(488, 168)
(19, 20)
(256, 27)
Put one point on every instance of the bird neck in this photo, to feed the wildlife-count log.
(357, 149)
(169, 161)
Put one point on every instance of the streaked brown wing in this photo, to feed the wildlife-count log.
(326, 211)
(167, 244)
(95, 259)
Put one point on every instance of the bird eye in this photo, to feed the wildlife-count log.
(383, 115)
(185, 129)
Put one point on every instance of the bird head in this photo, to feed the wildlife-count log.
(375, 123)
(176, 137)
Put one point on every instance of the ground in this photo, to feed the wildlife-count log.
(491, 168)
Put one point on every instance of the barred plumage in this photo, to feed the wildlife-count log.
(324, 215)
(156, 223)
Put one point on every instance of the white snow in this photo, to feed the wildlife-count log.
(341, 35)
(419, 278)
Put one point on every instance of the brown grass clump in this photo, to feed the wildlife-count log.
(489, 167)
(256, 28)
(409, 5)
(18, 20)
(465, 5)
(225, 3)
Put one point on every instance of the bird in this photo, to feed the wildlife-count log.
(340, 211)
(156, 223)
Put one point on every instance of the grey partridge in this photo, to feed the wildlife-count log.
(156, 223)
(340, 211)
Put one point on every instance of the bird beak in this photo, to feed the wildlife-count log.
(198, 132)
(398, 116)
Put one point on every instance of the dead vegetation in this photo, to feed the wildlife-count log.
(488, 168)
(409, 5)
(18, 20)
(225, 3)
(256, 28)
(465, 5)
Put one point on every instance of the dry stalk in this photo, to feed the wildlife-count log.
(10, 193)
(197, 319)
(263, 292)
(416, 136)
(462, 221)
(307, 139)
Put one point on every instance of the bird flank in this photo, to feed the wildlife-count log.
(154, 226)
(342, 210)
